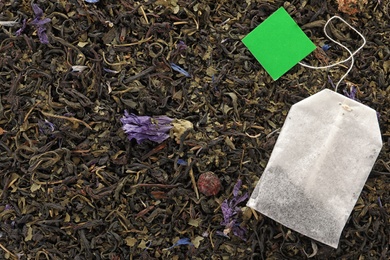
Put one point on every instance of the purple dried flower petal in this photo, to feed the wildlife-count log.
(237, 187)
(50, 124)
(331, 82)
(146, 128)
(181, 46)
(227, 212)
(239, 231)
(42, 35)
(231, 212)
(37, 10)
(238, 200)
(141, 120)
(352, 92)
(20, 31)
(380, 202)
(39, 22)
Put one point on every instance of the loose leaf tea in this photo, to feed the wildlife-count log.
(72, 184)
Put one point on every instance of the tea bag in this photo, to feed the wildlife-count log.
(320, 162)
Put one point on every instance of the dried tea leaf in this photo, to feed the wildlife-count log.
(22, 205)
(225, 109)
(109, 36)
(246, 213)
(13, 179)
(230, 143)
(82, 44)
(176, 9)
(29, 233)
(197, 241)
(34, 187)
(211, 71)
(386, 66)
(142, 245)
(178, 96)
(207, 54)
(195, 222)
(351, 7)
(233, 96)
(180, 126)
(315, 250)
(227, 248)
(172, 4)
(130, 241)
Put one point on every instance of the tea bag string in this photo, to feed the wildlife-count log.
(351, 54)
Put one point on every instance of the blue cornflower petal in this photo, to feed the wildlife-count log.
(181, 241)
(181, 162)
(326, 47)
(180, 69)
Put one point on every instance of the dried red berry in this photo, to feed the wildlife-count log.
(209, 184)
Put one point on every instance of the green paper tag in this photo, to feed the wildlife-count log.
(278, 43)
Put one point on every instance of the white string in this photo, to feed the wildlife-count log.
(343, 46)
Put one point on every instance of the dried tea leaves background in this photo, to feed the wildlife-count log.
(74, 187)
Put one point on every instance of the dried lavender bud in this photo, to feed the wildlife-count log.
(209, 184)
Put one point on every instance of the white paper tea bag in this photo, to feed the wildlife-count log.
(320, 162)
